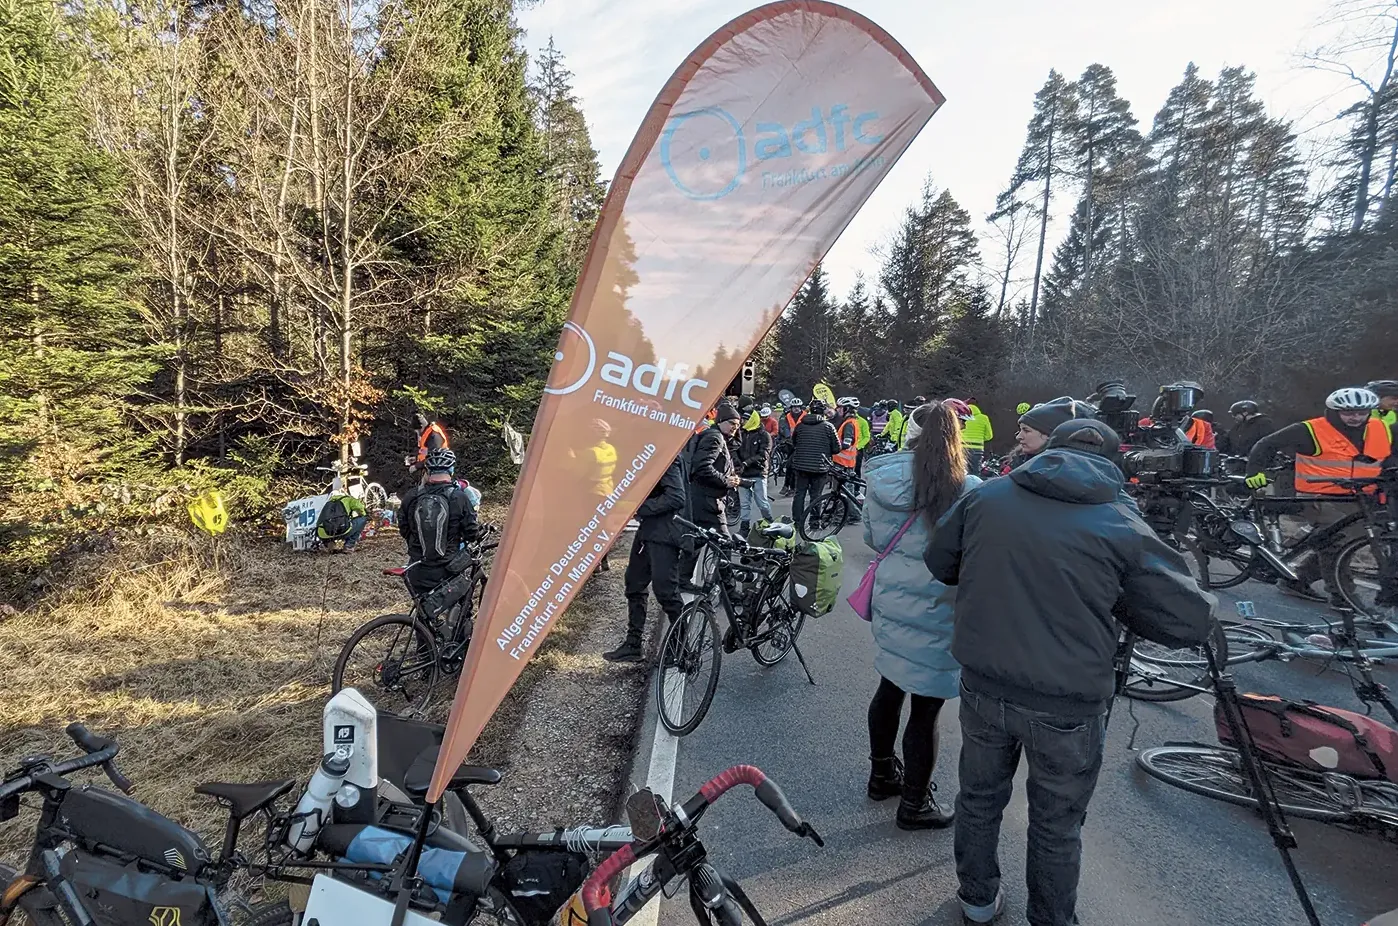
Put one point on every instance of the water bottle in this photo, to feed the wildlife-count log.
(313, 810)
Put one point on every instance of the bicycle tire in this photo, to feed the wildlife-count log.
(38, 906)
(1358, 582)
(427, 675)
(825, 518)
(375, 497)
(768, 617)
(1300, 793)
(1201, 547)
(1153, 664)
(276, 913)
(682, 650)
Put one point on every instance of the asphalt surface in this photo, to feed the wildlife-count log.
(1152, 854)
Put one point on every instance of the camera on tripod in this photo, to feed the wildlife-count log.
(1155, 449)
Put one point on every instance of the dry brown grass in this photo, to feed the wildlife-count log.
(208, 660)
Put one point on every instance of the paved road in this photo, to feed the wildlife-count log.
(1152, 854)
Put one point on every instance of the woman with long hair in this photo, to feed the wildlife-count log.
(912, 612)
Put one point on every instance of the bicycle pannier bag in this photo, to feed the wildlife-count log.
(540, 883)
(119, 895)
(1309, 735)
(431, 518)
(436, 603)
(816, 576)
(334, 520)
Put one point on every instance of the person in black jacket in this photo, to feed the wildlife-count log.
(462, 527)
(655, 560)
(1044, 562)
(813, 443)
(1249, 427)
(712, 475)
(755, 459)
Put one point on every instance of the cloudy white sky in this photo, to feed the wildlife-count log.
(988, 57)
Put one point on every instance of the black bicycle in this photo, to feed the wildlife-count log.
(396, 660)
(840, 504)
(751, 584)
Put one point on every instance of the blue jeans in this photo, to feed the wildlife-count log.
(1065, 755)
(755, 495)
(356, 528)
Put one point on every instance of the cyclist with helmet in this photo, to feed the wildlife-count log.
(1387, 391)
(1249, 427)
(436, 519)
(1347, 441)
(866, 434)
(813, 445)
(847, 429)
(1201, 430)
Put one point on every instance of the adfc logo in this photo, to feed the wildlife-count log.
(707, 152)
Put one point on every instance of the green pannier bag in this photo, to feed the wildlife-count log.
(757, 539)
(816, 569)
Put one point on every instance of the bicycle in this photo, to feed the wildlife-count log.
(840, 504)
(751, 583)
(781, 455)
(352, 478)
(670, 835)
(401, 657)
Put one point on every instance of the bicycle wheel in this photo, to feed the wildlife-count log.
(1159, 673)
(1216, 772)
(375, 498)
(392, 661)
(778, 626)
(690, 659)
(278, 913)
(37, 906)
(825, 518)
(1357, 574)
(1221, 565)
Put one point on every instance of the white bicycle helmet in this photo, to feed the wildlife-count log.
(795, 403)
(1352, 399)
(850, 401)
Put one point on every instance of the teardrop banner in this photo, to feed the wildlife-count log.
(754, 157)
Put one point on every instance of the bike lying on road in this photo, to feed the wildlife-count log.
(751, 584)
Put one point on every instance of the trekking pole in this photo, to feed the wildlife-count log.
(1282, 837)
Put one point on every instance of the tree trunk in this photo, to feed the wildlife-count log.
(1371, 137)
(218, 358)
(346, 251)
(178, 309)
(1087, 237)
(1043, 239)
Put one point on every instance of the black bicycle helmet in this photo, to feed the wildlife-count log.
(1384, 388)
(1245, 407)
(440, 461)
(1204, 415)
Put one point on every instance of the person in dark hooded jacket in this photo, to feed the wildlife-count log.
(1044, 561)
(813, 444)
(712, 475)
(655, 560)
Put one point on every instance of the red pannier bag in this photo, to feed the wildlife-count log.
(1309, 735)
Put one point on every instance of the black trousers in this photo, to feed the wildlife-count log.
(652, 565)
(808, 488)
(919, 737)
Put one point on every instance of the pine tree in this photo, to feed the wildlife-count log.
(806, 336)
(570, 162)
(71, 357)
(1041, 163)
(1101, 132)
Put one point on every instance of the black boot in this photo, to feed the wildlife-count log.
(918, 810)
(885, 779)
(629, 651)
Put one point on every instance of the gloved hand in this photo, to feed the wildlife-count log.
(1257, 482)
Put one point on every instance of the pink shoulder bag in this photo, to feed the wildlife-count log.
(862, 600)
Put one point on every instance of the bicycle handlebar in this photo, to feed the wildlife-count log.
(595, 896)
(99, 751)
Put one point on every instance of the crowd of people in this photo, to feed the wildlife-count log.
(1007, 593)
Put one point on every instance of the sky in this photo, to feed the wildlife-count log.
(988, 57)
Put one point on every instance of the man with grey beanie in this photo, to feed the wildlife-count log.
(1045, 561)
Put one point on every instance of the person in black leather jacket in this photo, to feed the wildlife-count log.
(813, 443)
(712, 475)
(655, 560)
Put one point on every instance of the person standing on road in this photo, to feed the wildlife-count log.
(1038, 422)
(1387, 412)
(911, 612)
(865, 435)
(847, 429)
(654, 561)
(814, 443)
(975, 435)
(1045, 561)
(1249, 427)
(713, 475)
(795, 414)
(436, 519)
(755, 457)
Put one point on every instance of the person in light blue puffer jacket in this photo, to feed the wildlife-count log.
(912, 614)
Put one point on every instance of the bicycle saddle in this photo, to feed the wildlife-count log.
(243, 800)
(780, 529)
(396, 571)
(419, 775)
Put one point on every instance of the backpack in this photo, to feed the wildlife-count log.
(1322, 739)
(431, 519)
(334, 521)
(687, 474)
(816, 576)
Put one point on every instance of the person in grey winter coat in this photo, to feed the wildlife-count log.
(912, 612)
(1045, 562)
